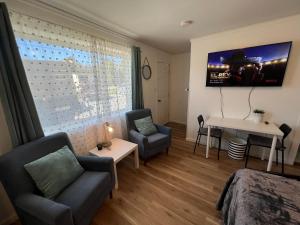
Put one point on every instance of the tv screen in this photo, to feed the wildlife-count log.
(263, 65)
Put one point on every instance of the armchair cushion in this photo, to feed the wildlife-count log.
(53, 172)
(86, 194)
(145, 126)
(157, 139)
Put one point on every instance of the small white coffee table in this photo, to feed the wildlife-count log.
(118, 151)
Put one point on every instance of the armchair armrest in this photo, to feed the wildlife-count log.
(164, 129)
(44, 210)
(138, 138)
(94, 163)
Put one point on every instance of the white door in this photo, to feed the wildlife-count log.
(163, 92)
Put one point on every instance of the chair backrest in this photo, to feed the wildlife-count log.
(13, 176)
(200, 121)
(135, 115)
(286, 131)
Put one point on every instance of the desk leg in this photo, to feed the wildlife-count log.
(208, 141)
(136, 158)
(116, 176)
(272, 153)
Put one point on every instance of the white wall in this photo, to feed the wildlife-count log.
(179, 82)
(150, 86)
(5, 141)
(280, 103)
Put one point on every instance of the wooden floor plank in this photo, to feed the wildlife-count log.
(164, 194)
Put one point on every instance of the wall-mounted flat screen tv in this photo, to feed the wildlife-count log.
(263, 65)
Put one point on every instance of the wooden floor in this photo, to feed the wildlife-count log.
(179, 189)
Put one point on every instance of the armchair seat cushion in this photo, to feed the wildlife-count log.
(158, 139)
(85, 194)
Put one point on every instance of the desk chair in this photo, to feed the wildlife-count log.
(266, 142)
(214, 132)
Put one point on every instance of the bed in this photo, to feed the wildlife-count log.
(253, 197)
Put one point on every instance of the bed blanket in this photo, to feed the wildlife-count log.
(253, 198)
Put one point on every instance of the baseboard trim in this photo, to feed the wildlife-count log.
(296, 163)
(252, 155)
(179, 122)
(9, 220)
(190, 139)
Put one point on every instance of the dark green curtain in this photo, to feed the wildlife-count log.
(137, 87)
(20, 112)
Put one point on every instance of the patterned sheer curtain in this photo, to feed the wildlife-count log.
(78, 81)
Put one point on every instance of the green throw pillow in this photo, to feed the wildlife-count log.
(145, 126)
(53, 172)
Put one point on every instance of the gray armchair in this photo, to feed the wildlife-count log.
(76, 205)
(148, 145)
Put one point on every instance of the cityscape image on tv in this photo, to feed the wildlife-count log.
(254, 66)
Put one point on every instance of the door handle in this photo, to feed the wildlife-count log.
(159, 100)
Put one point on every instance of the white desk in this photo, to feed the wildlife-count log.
(245, 125)
(118, 150)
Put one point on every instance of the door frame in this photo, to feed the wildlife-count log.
(157, 83)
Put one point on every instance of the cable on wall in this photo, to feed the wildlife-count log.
(249, 103)
(221, 102)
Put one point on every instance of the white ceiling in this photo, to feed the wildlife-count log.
(156, 22)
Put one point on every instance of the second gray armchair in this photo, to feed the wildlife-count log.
(148, 145)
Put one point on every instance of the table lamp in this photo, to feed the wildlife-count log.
(108, 130)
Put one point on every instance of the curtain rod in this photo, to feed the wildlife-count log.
(76, 18)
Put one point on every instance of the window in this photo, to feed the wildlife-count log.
(76, 79)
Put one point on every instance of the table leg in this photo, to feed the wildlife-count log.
(272, 153)
(136, 158)
(116, 176)
(208, 141)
